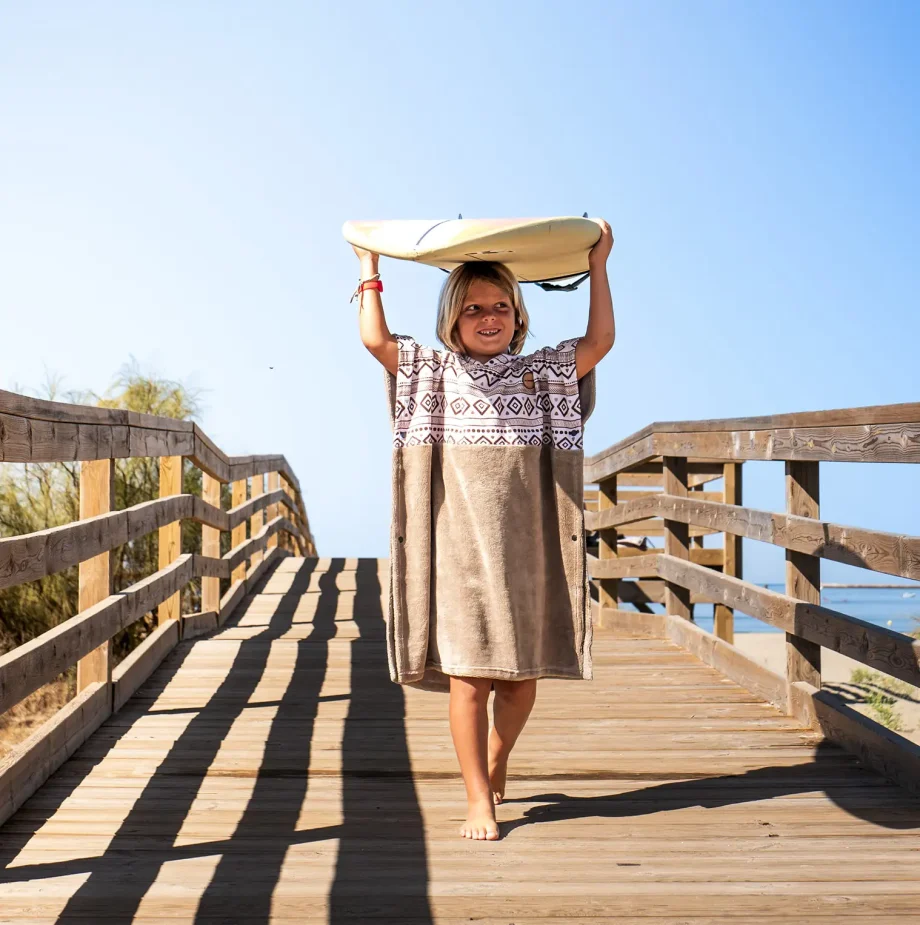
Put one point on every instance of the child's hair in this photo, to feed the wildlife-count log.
(455, 290)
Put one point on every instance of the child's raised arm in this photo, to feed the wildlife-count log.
(601, 331)
(375, 335)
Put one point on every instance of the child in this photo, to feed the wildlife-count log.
(488, 586)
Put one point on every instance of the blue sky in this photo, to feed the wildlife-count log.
(175, 176)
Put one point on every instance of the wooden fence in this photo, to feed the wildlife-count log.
(32, 430)
(653, 484)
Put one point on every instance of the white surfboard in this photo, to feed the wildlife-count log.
(534, 249)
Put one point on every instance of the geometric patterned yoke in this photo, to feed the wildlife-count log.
(448, 397)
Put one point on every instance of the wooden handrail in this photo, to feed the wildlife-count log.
(891, 553)
(677, 457)
(879, 433)
(35, 430)
(36, 555)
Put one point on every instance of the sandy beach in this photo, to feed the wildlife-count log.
(769, 650)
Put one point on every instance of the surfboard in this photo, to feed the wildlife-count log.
(534, 249)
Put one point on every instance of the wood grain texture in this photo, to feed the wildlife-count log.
(170, 535)
(97, 496)
(881, 433)
(642, 566)
(29, 666)
(210, 543)
(607, 543)
(890, 553)
(197, 624)
(251, 549)
(880, 648)
(140, 663)
(34, 760)
(239, 493)
(723, 616)
(256, 489)
(272, 510)
(272, 772)
(35, 555)
(676, 537)
(803, 572)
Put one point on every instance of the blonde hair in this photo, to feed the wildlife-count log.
(455, 290)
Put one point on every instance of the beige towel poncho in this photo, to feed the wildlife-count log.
(487, 545)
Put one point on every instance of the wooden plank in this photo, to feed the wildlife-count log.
(629, 624)
(35, 555)
(676, 537)
(879, 748)
(140, 663)
(723, 616)
(731, 662)
(34, 760)
(892, 553)
(803, 572)
(36, 430)
(170, 536)
(274, 483)
(252, 548)
(256, 488)
(197, 624)
(643, 566)
(242, 512)
(210, 544)
(876, 646)
(232, 597)
(238, 535)
(97, 496)
(813, 434)
(29, 666)
(607, 543)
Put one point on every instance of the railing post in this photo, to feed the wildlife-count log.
(97, 496)
(803, 572)
(170, 536)
(256, 522)
(274, 482)
(238, 534)
(607, 588)
(210, 544)
(676, 535)
(724, 616)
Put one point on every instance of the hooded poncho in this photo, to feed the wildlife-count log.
(487, 545)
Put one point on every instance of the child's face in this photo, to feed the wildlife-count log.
(486, 322)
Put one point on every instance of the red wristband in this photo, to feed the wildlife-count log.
(372, 284)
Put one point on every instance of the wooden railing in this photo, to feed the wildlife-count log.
(671, 463)
(37, 431)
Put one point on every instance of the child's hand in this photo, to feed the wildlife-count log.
(365, 256)
(598, 254)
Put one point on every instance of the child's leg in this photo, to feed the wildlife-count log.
(469, 728)
(513, 702)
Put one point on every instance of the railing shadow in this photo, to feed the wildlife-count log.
(886, 805)
(382, 828)
(382, 822)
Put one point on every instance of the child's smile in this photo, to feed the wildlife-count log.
(487, 320)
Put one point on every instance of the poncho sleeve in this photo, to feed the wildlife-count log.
(562, 359)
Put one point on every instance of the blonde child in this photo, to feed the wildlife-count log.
(488, 587)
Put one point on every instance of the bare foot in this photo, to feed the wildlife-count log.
(498, 773)
(480, 822)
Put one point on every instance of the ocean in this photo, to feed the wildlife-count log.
(896, 608)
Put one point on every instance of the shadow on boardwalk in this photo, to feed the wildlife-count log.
(381, 828)
(251, 860)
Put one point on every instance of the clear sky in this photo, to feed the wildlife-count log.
(174, 176)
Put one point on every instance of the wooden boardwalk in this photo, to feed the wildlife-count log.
(271, 772)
